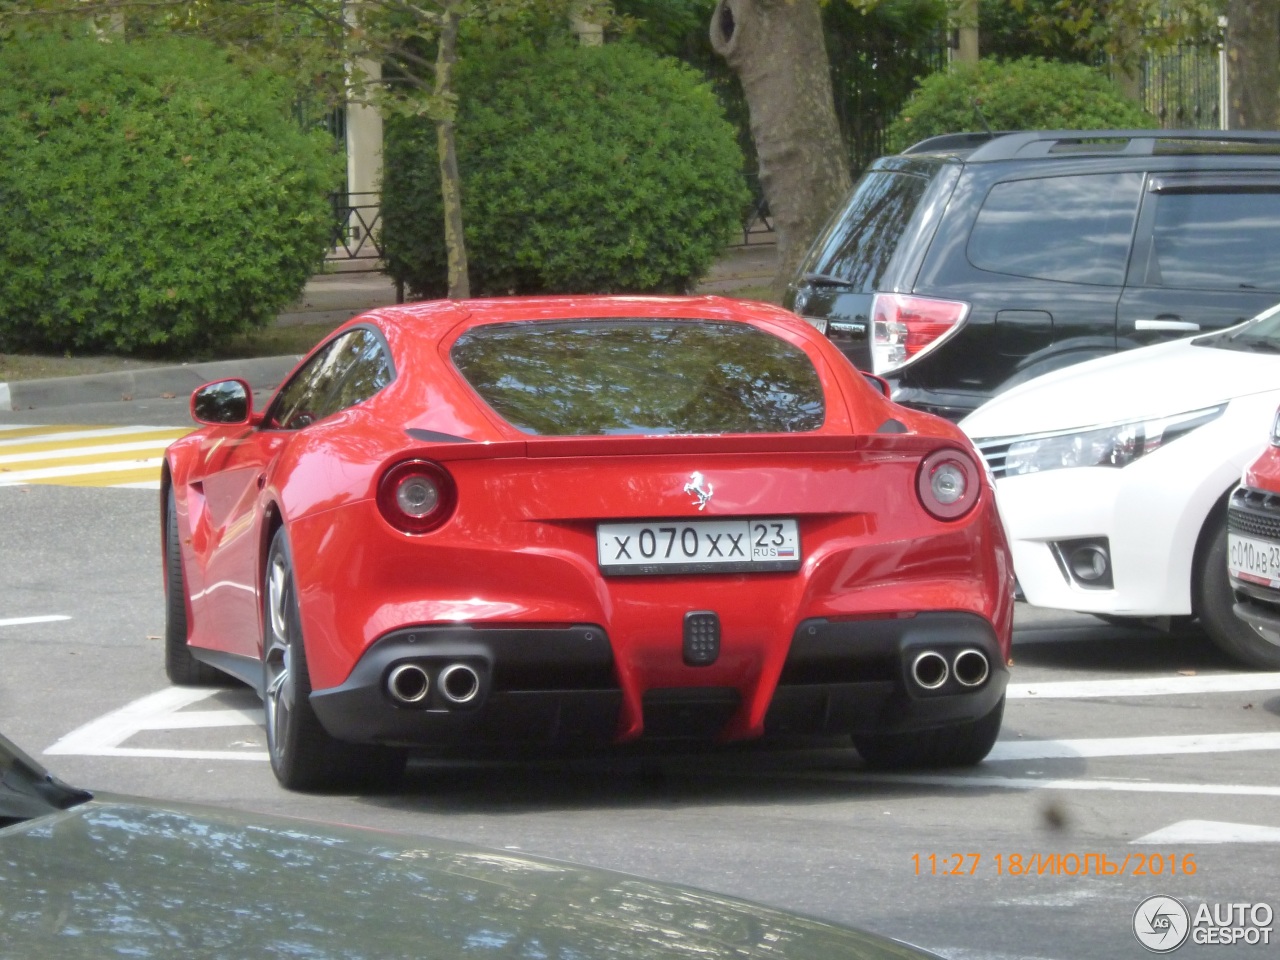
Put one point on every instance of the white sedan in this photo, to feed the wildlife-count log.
(1112, 477)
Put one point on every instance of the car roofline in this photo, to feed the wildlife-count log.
(1026, 144)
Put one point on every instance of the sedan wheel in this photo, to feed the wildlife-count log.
(303, 755)
(1214, 599)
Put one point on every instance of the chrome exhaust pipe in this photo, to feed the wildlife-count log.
(971, 668)
(459, 683)
(408, 683)
(929, 670)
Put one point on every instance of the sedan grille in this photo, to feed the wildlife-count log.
(1254, 513)
(995, 451)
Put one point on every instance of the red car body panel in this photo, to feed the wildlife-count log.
(520, 547)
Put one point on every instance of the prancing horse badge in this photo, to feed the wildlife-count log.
(699, 487)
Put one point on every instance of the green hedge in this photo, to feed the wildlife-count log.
(1027, 94)
(156, 198)
(584, 169)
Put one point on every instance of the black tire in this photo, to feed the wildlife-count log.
(1213, 598)
(303, 754)
(182, 668)
(958, 745)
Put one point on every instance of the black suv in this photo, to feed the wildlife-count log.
(971, 262)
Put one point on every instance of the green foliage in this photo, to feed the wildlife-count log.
(1027, 94)
(1120, 31)
(157, 198)
(584, 169)
(1008, 31)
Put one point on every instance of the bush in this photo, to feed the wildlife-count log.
(157, 199)
(1028, 94)
(584, 169)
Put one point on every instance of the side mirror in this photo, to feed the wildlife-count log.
(222, 402)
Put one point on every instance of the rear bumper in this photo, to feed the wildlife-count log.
(557, 686)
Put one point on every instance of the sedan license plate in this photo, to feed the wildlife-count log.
(698, 546)
(1254, 560)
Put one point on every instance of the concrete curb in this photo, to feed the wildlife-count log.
(149, 383)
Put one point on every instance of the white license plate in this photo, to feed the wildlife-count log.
(698, 546)
(1252, 559)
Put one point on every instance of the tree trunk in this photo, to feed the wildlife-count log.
(1253, 72)
(776, 48)
(450, 182)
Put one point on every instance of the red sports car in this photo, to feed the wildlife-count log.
(585, 520)
(1253, 541)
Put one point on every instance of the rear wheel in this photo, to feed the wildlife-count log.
(180, 666)
(1214, 598)
(957, 745)
(303, 755)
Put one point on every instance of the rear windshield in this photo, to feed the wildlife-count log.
(592, 377)
(861, 240)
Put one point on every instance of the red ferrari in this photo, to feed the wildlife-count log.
(564, 522)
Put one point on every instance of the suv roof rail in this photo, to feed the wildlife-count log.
(1043, 143)
(955, 142)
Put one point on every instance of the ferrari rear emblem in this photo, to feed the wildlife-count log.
(701, 490)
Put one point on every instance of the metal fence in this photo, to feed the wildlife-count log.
(356, 238)
(1182, 87)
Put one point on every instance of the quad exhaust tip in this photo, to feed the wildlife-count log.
(459, 683)
(408, 683)
(929, 670)
(971, 668)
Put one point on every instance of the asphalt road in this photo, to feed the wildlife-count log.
(987, 863)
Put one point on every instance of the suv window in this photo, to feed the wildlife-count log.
(859, 243)
(1215, 240)
(1075, 228)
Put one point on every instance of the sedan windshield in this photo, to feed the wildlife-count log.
(642, 376)
(1260, 335)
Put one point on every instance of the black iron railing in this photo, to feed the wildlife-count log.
(357, 229)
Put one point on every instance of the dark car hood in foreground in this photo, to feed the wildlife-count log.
(118, 877)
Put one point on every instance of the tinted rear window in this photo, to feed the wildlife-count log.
(1076, 229)
(589, 377)
(1216, 240)
(860, 242)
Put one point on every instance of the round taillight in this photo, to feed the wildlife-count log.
(416, 496)
(948, 484)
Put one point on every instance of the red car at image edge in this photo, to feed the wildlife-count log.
(1253, 541)
(570, 522)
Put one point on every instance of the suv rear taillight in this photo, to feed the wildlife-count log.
(417, 496)
(904, 328)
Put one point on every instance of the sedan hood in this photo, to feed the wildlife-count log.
(126, 878)
(1155, 381)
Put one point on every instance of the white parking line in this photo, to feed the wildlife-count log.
(1144, 686)
(53, 433)
(159, 711)
(1132, 746)
(66, 453)
(979, 782)
(1211, 831)
(23, 621)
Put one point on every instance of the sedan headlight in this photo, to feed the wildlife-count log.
(1113, 445)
